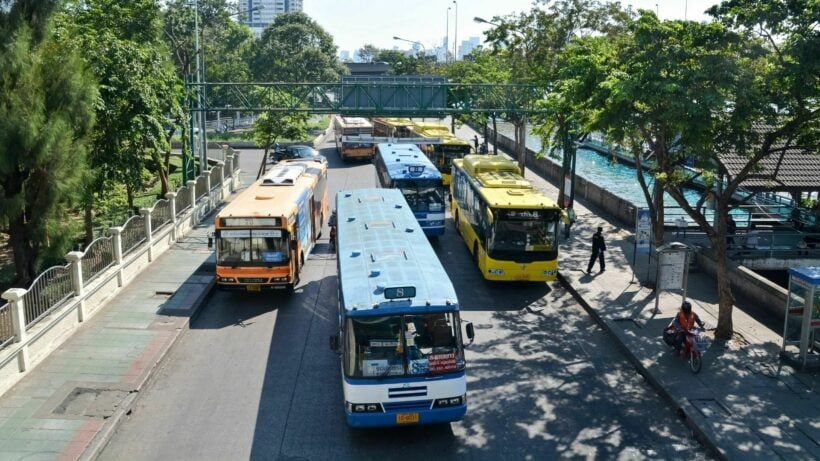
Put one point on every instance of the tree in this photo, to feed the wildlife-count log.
(46, 113)
(294, 48)
(122, 42)
(406, 64)
(367, 53)
(685, 88)
(272, 126)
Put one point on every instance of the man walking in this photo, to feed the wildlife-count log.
(598, 248)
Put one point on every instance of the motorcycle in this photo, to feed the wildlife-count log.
(693, 347)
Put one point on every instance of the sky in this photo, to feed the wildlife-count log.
(354, 23)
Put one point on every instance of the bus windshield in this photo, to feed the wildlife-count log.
(423, 195)
(523, 231)
(252, 247)
(403, 345)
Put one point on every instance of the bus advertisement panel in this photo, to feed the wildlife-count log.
(354, 137)
(510, 227)
(405, 167)
(265, 234)
(400, 332)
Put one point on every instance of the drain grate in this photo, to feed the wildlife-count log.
(92, 403)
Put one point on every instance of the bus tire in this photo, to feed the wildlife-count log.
(475, 256)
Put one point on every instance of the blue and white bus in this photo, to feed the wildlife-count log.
(399, 326)
(405, 167)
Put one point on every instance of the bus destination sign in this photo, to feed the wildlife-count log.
(399, 292)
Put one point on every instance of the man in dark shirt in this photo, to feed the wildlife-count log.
(598, 248)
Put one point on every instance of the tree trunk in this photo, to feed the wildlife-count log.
(130, 194)
(24, 256)
(725, 299)
(88, 218)
(264, 160)
(520, 143)
(659, 215)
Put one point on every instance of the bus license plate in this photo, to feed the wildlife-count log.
(407, 418)
(254, 287)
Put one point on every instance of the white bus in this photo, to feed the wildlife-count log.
(354, 137)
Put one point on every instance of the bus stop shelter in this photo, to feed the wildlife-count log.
(802, 322)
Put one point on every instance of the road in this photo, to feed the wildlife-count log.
(254, 378)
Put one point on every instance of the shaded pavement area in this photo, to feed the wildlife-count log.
(744, 404)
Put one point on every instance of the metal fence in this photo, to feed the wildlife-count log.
(133, 233)
(51, 289)
(161, 215)
(48, 292)
(183, 200)
(201, 187)
(6, 329)
(98, 257)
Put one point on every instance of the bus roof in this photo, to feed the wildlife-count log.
(394, 121)
(350, 122)
(407, 161)
(277, 193)
(502, 185)
(437, 130)
(381, 247)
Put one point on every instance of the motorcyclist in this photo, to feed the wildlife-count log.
(684, 322)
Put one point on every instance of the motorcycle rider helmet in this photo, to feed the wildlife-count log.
(686, 307)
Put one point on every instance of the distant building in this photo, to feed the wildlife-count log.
(263, 12)
(467, 46)
(344, 55)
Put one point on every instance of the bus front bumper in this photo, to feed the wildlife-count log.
(388, 419)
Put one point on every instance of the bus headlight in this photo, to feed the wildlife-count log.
(496, 271)
(279, 279)
(363, 407)
(227, 280)
(449, 402)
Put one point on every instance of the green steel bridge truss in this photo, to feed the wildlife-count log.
(367, 98)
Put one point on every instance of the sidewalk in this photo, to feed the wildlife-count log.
(66, 407)
(743, 404)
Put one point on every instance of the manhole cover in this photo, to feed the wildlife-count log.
(93, 403)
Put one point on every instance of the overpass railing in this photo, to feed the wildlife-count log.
(30, 313)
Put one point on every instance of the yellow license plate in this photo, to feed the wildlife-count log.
(254, 287)
(407, 418)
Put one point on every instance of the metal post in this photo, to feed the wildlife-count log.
(172, 207)
(116, 234)
(75, 259)
(146, 214)
(455, 39)
(18, 323)
(209, 203)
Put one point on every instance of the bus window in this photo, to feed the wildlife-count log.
(377, 347)
(258, 248)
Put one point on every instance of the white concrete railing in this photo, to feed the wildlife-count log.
(35, 321)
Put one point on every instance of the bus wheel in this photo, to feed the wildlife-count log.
(475, 255)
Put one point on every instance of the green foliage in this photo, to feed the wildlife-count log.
(368, 53)
(403, 64)
(46, 113)
(123, 45)
(295, 49)
(274, 126)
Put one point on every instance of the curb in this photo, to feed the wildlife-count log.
(681, 409)
(95, 447)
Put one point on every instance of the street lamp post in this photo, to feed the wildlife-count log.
(455, 39)
(423, 48)
(447, 39)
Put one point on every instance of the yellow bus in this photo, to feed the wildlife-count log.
(443, 152)
(353, 137)
(510, 227)
(265, 234)
(392, 127)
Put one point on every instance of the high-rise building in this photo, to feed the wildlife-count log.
(467, 46)
(263, 12)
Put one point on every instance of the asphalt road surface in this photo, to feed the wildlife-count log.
(255, 378)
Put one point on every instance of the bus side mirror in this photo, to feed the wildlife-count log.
(470, 332)
(489, 216)
(293, 245)
(211, 236)
(334, 343)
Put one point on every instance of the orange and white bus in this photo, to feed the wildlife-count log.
(265, 234)
(354, 137)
